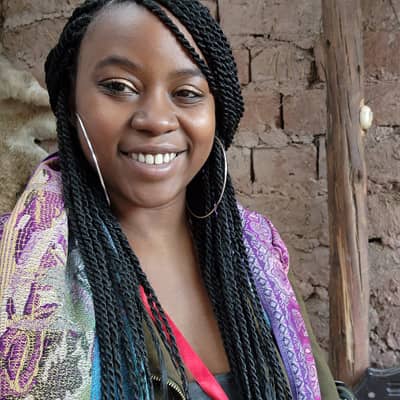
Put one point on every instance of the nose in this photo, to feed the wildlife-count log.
(155, 114)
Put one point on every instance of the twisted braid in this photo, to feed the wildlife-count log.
(113, 270)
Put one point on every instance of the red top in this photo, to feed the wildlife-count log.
(192, 361)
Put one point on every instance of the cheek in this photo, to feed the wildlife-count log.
(103, 122)
(203, 126)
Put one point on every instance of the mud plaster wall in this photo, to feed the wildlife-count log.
(278, 159)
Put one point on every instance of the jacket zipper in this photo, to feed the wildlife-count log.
(170, 383)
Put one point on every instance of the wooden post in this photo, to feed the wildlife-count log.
(347, 179)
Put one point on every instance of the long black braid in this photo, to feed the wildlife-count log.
(114, 271)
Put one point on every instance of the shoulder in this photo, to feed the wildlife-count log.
(260, 233)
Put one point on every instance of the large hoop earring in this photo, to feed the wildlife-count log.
(94, 158)
(217, 139)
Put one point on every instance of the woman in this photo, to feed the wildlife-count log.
(128, 270)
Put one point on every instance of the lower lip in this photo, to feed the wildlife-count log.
(153, 170)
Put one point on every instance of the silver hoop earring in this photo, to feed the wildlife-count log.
(223, 187)
(94, 158)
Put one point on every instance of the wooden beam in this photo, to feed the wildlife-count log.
(347, 180)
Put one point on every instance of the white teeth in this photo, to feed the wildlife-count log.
(153, 159)
(158, 159)
(149, 159)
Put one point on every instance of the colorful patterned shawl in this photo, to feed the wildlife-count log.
(47, 324)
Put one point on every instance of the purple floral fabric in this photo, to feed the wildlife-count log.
(269, 261)
(44, 347)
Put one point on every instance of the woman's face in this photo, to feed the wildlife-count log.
(146, 106)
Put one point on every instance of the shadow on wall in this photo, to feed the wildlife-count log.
(26, 122)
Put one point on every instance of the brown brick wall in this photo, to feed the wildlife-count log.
(278, 159)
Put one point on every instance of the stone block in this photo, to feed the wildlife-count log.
(29, 46)
(384, 99)
(382, 55)
(20, 13)
(239, 162)
(293, 20)
(305, 112)
(262, 111)
(380, 15)
(246, 138)
(280, 62)
(274, 138)
(385, 268)
(242, 17)
(385, 301)
(382, 153)
(384, 217)
(290, 165)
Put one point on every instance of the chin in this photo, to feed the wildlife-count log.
(157, 199)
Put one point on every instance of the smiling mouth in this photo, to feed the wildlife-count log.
(153, 159)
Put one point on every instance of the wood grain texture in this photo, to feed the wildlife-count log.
(349, 283)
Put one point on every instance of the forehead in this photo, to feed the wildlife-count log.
(128, 30)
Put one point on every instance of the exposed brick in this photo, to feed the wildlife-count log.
(385, 300)
(305, 112)
(384, 99)
(26, 12)
(246, 138)
(280, 63)
(242, 17)
(382, 153)
(274, 138)
(380, 15)
(28, 47)
(239, 161)
(384, 216)
(293, 20)
(382, 54)
(293, 164)
(242, 57)
(262, 111)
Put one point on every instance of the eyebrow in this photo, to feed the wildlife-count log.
(115, 60)
(187, 72)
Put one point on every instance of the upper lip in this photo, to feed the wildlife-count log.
(153, 149)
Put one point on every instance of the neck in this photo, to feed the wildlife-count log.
(156, 225)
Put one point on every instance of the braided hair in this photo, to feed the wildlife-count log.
(114, 271)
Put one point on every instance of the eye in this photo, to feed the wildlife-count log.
(188, 95)
(119, 87)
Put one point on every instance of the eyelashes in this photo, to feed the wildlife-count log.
(119, 87)
(124, 88)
